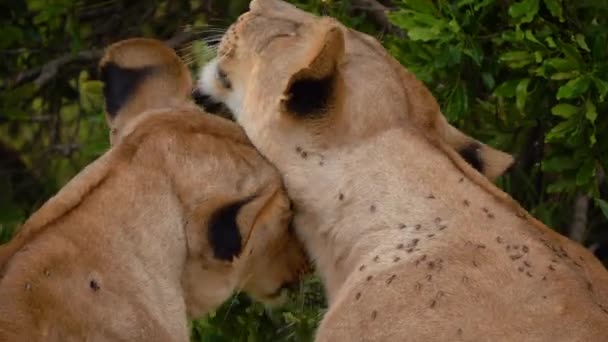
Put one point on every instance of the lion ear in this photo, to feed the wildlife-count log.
(489, 161)
(311, 89)
(230, 227)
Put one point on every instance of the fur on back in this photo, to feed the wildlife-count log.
(396, 206)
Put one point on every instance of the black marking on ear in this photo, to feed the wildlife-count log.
(223, 231)
(310, 97)
(120, 84)
(470, 154)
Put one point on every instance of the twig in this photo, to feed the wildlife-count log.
(578, 227)
(50, 69)
(378, 12)
(180, 38)
(42, 75)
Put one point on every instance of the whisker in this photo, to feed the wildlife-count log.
(214, 36)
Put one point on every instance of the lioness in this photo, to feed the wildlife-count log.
(179, 213)
(412, 239)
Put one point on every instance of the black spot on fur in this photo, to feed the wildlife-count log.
(309, 98)
(470, 153)
(120, 84)
(223, 233)
(94, 285)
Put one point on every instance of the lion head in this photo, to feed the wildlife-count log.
(294, 79)
(248, 237)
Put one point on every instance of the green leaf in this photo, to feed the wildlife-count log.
(574, 88)
(603, 205)
(580, 40)
(572, 54)
(586, 173)
(521, 94)
(515, 56)
(561, 130)
(564, 110)
(601, 86)
(524, 11)
(464, 3)
(475, 52)
(551, 42)
(517, 59)
(559, 164)
(424, 34)
(560, 64)
(488, 80)
(555, 8)
(458, 104)
(530, 36)
(563, 185)
(590, 111)
(422, 6)
(559, 76)
(482, 4)
(507, 89)
(10, 35)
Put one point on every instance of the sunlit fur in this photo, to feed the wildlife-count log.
(121, 252)
(412, 243)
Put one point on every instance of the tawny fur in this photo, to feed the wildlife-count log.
(412, 243)
(121, 252)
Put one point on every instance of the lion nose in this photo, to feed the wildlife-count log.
(198, 97)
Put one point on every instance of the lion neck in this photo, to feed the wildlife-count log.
(377, 198)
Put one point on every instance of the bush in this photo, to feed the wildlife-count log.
(529, 77)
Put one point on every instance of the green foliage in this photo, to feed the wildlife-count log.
(527, 76)
(241, 320)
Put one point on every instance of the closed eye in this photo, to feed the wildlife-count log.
(223, 78)
(273, 38)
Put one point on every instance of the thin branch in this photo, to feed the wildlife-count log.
(578, 227)
(378, 12)
(180, 39)
(42, 75)
(50, 69)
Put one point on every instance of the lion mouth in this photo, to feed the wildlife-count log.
(209, 104)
